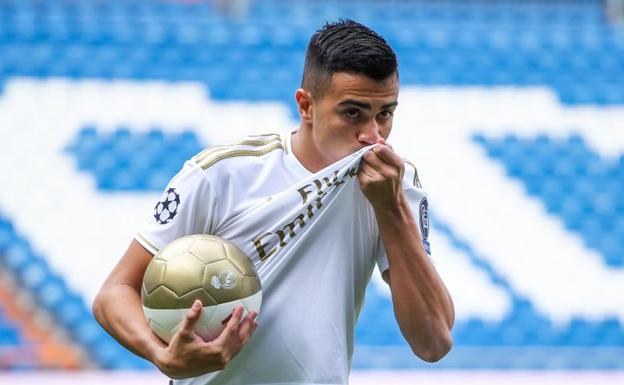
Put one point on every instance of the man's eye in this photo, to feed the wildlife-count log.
(385, 114)
(352, 114)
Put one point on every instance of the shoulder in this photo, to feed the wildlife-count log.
(411, 174)
(242, 152)
(215, 165)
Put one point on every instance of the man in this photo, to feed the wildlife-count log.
(312, 298)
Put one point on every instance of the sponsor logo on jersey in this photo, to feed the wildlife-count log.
(312, 195)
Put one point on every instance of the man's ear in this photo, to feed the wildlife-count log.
(304, 105)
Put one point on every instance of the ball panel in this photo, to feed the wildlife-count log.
(175, 248)
(238, 258)
(184, 273)
(161, 298)
(253, 302)
(164, 322)
(251, 285)
(208, 249)
(202, 327)
(163, 332)
(154, 275)
(186, 301)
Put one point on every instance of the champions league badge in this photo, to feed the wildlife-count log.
(167, 207)
(424, 224)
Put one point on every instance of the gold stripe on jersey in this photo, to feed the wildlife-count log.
(150, 246)
(416, 181)
(268, 135)
(286, 146)
(233, 153)
(267, 138)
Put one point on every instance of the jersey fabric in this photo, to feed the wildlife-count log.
(314, 242)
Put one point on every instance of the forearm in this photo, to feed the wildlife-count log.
(422, 305)
(117, 308)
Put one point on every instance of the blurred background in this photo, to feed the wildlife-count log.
(513, 112)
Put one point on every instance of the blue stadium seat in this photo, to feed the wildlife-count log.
(586, 193)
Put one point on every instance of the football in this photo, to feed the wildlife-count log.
(203, 267)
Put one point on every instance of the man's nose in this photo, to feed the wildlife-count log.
(370, 133)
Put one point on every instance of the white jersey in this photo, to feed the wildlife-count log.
(313, 239)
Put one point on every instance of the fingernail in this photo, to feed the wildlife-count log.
(196, 305)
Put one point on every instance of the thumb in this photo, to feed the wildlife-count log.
(192, 316)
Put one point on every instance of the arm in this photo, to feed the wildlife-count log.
(117, 307)
(422, 305)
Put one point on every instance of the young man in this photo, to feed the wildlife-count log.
(311, 299)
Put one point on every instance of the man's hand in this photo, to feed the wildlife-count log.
(381, 176)
(188, 355)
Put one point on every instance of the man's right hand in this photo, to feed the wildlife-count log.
(188, 355)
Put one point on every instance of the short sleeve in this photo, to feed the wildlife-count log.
(184, 208)
(419, 204)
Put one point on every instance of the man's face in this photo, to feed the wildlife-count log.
(353, 112)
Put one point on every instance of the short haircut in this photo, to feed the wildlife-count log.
(346, 46)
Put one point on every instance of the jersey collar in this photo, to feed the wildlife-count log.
(292, 163)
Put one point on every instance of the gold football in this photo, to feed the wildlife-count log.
(203, 267)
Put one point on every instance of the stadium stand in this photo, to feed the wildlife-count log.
(574, 183)
(566, 46)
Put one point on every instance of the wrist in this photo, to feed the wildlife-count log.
(166, 363)
(160, 358)
(394, 209)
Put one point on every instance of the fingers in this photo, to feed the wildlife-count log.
(385, 161)
(195, 356)
(377, 168)
(186, 333)
(369, 171)
(235, 334)
(192, 316)
(231, 327)
(386, 155)
(247, 327)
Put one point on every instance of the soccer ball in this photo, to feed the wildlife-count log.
(203, 267)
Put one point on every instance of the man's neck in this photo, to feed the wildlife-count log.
(305, 151)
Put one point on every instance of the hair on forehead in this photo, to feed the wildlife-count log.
(346, 46)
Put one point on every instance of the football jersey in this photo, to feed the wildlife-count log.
(312, 237)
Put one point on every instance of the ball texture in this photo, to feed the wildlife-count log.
(203, 267)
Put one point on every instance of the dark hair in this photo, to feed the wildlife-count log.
(346, 46)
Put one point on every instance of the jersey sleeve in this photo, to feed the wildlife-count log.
(185, 207)
(417, 199)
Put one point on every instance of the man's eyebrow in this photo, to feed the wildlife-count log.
(365, 106)
(351, 102)
(393, 104)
